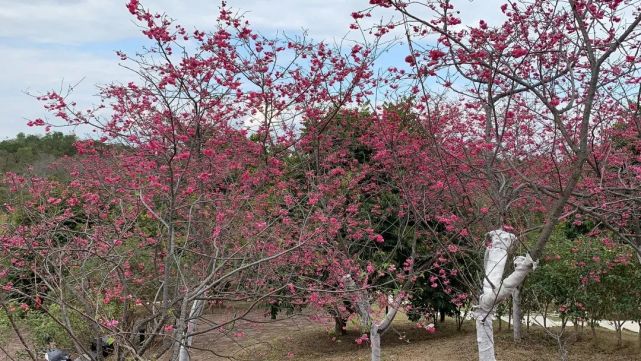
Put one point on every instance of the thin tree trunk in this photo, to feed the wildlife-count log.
(618, 325)
(517, 314)
(15, 328)
(460, 318)
(360, 301)
(187, 339)
(339, 326)
(99, 356)
(364, 310)
(377, 329)
(375, 342)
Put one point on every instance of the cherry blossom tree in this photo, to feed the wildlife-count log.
(285, 172)
(181, 199)
(539, 85)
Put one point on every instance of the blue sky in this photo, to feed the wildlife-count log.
(51, 44)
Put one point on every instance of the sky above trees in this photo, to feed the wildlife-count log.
(53, 44)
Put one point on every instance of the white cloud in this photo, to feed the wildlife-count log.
(65, 21)
(40, 70)
(48, 42)
(90, 21)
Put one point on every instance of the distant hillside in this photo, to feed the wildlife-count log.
(18, 154)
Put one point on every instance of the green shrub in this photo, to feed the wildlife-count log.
(45, 330)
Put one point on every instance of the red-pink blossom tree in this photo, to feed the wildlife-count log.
(182, 197)
(539, 85)
(227, 170)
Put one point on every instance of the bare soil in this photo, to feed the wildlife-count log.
(299, 338)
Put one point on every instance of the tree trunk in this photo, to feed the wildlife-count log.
(360, 301)
(364, 310)
(593, 329)
(496, 289)
(485, 338)
(442, 316)
(377, 329)
(339, 326)
(460, 318)
(375, 342)
(187, 339)
(99, 356)
(517, 314)
(120, 353)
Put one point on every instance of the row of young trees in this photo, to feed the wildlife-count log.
(237, 168)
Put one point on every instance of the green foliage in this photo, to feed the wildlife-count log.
(36, 154)
(587, 278)
(5, 326)
(44, 329)
(32, 150)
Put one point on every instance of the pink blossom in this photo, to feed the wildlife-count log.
(519, 52)
(410, 60)
(434, 55)
(430, 328)
(363, 338)
(111, 324)
(370, 268)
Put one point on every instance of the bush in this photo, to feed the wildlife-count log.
(45, 330)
